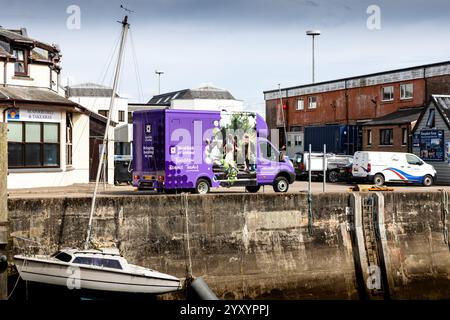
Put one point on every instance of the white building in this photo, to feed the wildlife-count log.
(97, 98)
(202, 98)
(48, 135)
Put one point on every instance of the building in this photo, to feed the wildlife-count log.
(202, 98)
(431, 136)
(97, 98)
(48, 134)
(391, 132)
(352, 102)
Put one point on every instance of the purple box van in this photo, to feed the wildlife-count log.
(175, 150)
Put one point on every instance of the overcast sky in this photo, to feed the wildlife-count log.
(244, 46)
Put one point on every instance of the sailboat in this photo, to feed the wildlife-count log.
(96, 269)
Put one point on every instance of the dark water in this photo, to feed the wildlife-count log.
(31, 291)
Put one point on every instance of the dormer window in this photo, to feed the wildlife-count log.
(20, 66)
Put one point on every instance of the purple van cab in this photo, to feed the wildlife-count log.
(177, 150)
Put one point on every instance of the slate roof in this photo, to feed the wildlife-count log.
(89, 90)
(31, 94)
(401, 116)
(17, 36)
(442, 102)
(4, 53)
(205, 92)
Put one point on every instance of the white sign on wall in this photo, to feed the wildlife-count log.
(36, 115)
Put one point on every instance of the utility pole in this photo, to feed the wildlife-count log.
(125, 27)
(3, 211)
(159, 73)
(282, 112)
(313, 34)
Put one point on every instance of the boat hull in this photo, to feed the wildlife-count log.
(95, 278)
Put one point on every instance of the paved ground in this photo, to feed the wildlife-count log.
(84, 190)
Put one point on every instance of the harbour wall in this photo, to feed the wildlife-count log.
(262, 246)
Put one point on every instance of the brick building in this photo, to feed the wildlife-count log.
(358, 102)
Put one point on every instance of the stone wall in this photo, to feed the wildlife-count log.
(255, 246)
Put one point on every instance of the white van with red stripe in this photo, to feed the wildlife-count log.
(380, 167)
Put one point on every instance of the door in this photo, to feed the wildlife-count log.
(268, 162)
(415, 169)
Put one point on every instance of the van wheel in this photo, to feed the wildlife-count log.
(202, 186)
(428, 181)
(281, 184)
(378, 180)
(252, 189)
(333, 176)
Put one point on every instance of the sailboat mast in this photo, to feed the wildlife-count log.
(125, 26)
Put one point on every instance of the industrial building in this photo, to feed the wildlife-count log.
(350, 114)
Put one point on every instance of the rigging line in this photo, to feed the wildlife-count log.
(136, 68)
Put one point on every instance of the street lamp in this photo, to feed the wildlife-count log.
(313, 33)
(159, 73)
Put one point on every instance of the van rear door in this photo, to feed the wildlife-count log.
(360, 167)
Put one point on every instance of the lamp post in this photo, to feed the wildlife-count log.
(159, 73)
(313, 34)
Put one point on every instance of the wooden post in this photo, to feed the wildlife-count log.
(3, 207)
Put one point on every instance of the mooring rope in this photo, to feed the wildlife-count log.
(17, 281)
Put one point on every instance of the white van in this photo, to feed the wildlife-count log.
(381, 167)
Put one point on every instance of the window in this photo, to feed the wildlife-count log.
(99, 262)
(300, 104)
(103, 113)
(268, 152)
(121, 116)
(406, 91)
(388, 93)
(386, 137)
(130, 117)
(312, 102)
(430, 120)
(414, 160)
(404, 136)
(33, 144)
(62, 256)
(20, 66)
(369, 137)
(69, 129)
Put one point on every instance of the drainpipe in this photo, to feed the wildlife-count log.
(4, 72)
(425, 99)
(346, 104)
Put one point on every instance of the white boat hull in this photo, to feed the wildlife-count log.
(93, 278)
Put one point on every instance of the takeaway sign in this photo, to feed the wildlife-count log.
(34, 115)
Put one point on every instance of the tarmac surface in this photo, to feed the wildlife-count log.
(86, 190)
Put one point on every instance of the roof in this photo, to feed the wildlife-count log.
(421, 71)
(21, 36)
(402, 116)
(31, 94)
(89, 90)
(4, 53)
(442, 104)
(204, 92)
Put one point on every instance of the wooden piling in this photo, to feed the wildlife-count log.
(3, 206)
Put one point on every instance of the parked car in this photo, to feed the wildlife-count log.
(381, 167)
(334, 164)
